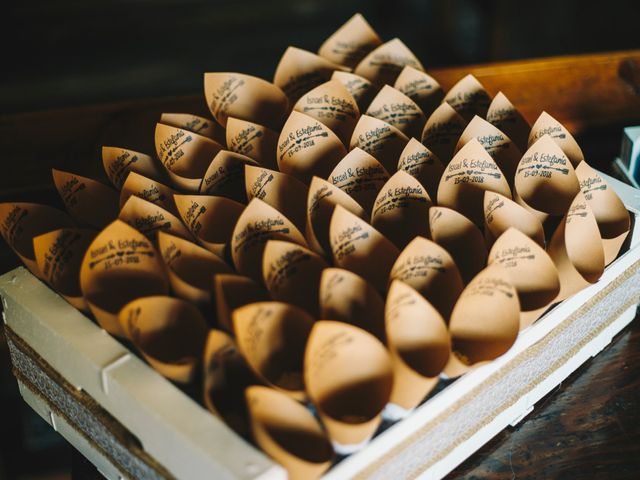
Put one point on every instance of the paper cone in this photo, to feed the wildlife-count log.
(234, 291)
(194, 123)
(547, 125)
(395, 108)
(148, 218)
(422, 164)
(350, 43)
(468, 97)
(118, 162)
(379, 139)
(361, 89)
(255, 141)
(504, 116)
(500, 214)
(149, 190)
(442, 130)
(384, 64)
(421, 88)
(225, 176)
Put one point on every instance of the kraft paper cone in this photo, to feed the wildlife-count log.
(245, 97)
(169, 333)
(333, 105)
(120, 265)
(350, 43)
(149, 190)
(225, 176)
(485, 321)
(547, 125)
(397, 109)
(194, 123)
(291, 274)
(307, 147)
(461, 238)
(349, 298)
(421, 88)
(21, 222)
(349, 376)
(611, 215)
(442, 130)
(253, 140)
(234, 291)
(504, 116)
(419, 344)
(118, 162)
(545, 179)
(321, 202)
(401, 210)
(467, 177)
(379, 139)
(468, 97)
(500, 214)
(354, 243)
(429, 269)
(361, 89)
(422, 164)
(289, 433)
(148, 218)
(88, 201)
(59, 255)
(272, 337)
(185, 155)
(258, 223)
(190, 268)
(383, 65)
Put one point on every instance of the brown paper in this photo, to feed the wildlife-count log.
(395, 108)
(384, 64)
(422, 164)
(421, 88)
(385, 142)
(504, 116)
(234, 291)
(500, 214)
(194, 123)
(350, 43)
(255, 141)
(148, 218)
(361, 89)
(225, 176)
(547, 125)
(468, 97)
(442, 130)
(118, 162)
(149, 190)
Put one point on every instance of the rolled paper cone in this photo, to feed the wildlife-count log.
(234, 291)
(120, 265)
(245, 97)
(442, 130)
(397, 109)
(225, 176)
(422, 164)
(350, 43)
(253, 140)
(119, 162)
(190, 268)
(291, 274)
(331, 104)
(21, 222)
(468, 97)
(349, 298)
(258, 223)
(169, 333)
(430, 270)
(461, 238)
(467, 177)
(401, 209)
(354, 243)
(383, 65)
(485, 321)
(500, 214)
(547, 125)
(419, 344)
(185, 155)
(149, 190)
(210, 219)
(361, 89)
(421, 88)
(379, 139)
(504, 116)
(289, 433)
(194, 123)
(59, 255)
(272, 338)
(349, 376)
(148, 218)
(545, 178)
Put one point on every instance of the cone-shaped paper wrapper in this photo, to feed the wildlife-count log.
(258, 223)
(547, 125)
(545, 179)
(149, 190)
(469, 174)
(361, 89)
(485, 321)
(422, 164)
(431, 271)
(461, 238)
(120, 265)
(395, 108)
(349, 298)
(210, 219)
(194, 123)
(149, 218)
(234, 291)
(322, 200)
(169, 333)
(350, 43)
(504, 116)
(246, 97)
(361, 176)
(59, 255)
(401, 210)
(292, 274)
(225, 176)
(419, 344)
(468, 97)
(333, 105)
(611, 215)
(500, 214)
(421, 88)
(190, 268)
(255, 141)
(385, 142)
(21, 222)
(272, 337)
(348, 373)
(384, 64)
(307, 147)
(288, 433)
(442, 130)
(118, 162)
(354, 245)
